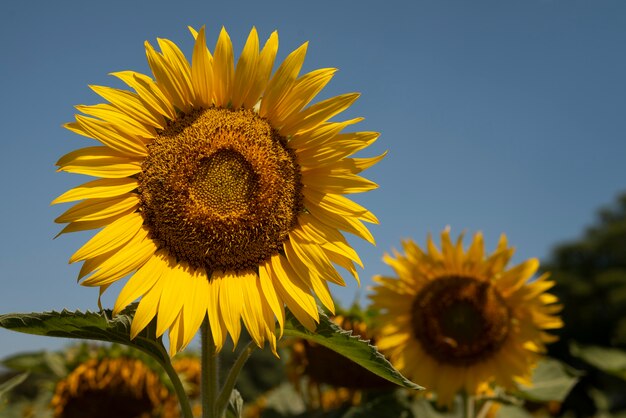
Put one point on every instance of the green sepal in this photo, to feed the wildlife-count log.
(331, 336)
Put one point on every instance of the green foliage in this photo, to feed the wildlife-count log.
(89, 326)
(5, 387)
(590, 275)
(610, 360)
(551, 381)
(329, 335)
(591, 282)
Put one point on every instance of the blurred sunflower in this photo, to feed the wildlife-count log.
(113, 387)
(331, 379)
(455, 320)
(221, 190)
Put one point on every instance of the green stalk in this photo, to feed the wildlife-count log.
(185, 406)
(468, 405)
(233, 374)
(209, 385)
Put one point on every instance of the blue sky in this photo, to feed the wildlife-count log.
(498, 116)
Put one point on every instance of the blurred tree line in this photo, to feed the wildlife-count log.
(590, 273)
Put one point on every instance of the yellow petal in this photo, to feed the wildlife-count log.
(96, 209)
(231, 302)
(267, 287)
(318, 113)
(111, 237)
(223, 69)
(128, 103)
(179, 67)
(92, 264)
(320, 135)
(304, 90)
(218, 327)
(306, 271)
(202, 71)
(328, 238)
(147, 308)
(252, 313)
(245, 72)
(176, 335)
(328, 182)
(119, 120)
(334, 151)
(333, 220)
(346, 263)
(343, 166)
(311, 255)
(282, 81)
(166, 78)
(98, 189)
(109, 136)
(124, 261)
(297, 296)
(150, 95)
(264, 69)
(196, 304)
(340, 205)
(175, 290)
(140, 282)
(84, 226)
(99, 162)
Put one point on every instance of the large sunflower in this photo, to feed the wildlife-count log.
(221, 190)
(455, 320)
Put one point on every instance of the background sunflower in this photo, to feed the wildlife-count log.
(459, 320)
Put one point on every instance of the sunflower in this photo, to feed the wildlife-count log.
(119, 387)
(221, 190)
(322, 366)
(456, 320)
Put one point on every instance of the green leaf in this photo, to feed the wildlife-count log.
(5, 387)
(329, 335)
(87, 325)
(610, 360)
(550, 382)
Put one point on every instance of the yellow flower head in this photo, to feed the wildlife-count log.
(456, 320)
(120, 387)
(220, 191)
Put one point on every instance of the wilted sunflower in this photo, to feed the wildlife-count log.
(455, 320)
(221, 190)
(120, 387)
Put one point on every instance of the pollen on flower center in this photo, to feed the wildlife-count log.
(460, 320)
(225, 183)
(220, 190)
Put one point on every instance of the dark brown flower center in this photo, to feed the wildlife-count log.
(220, 189)
(460, 320)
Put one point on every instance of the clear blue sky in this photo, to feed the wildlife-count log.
(499, 116)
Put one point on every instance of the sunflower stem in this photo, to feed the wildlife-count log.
(233, 374)
(468, 405)
(185, 406)
(209, 384)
